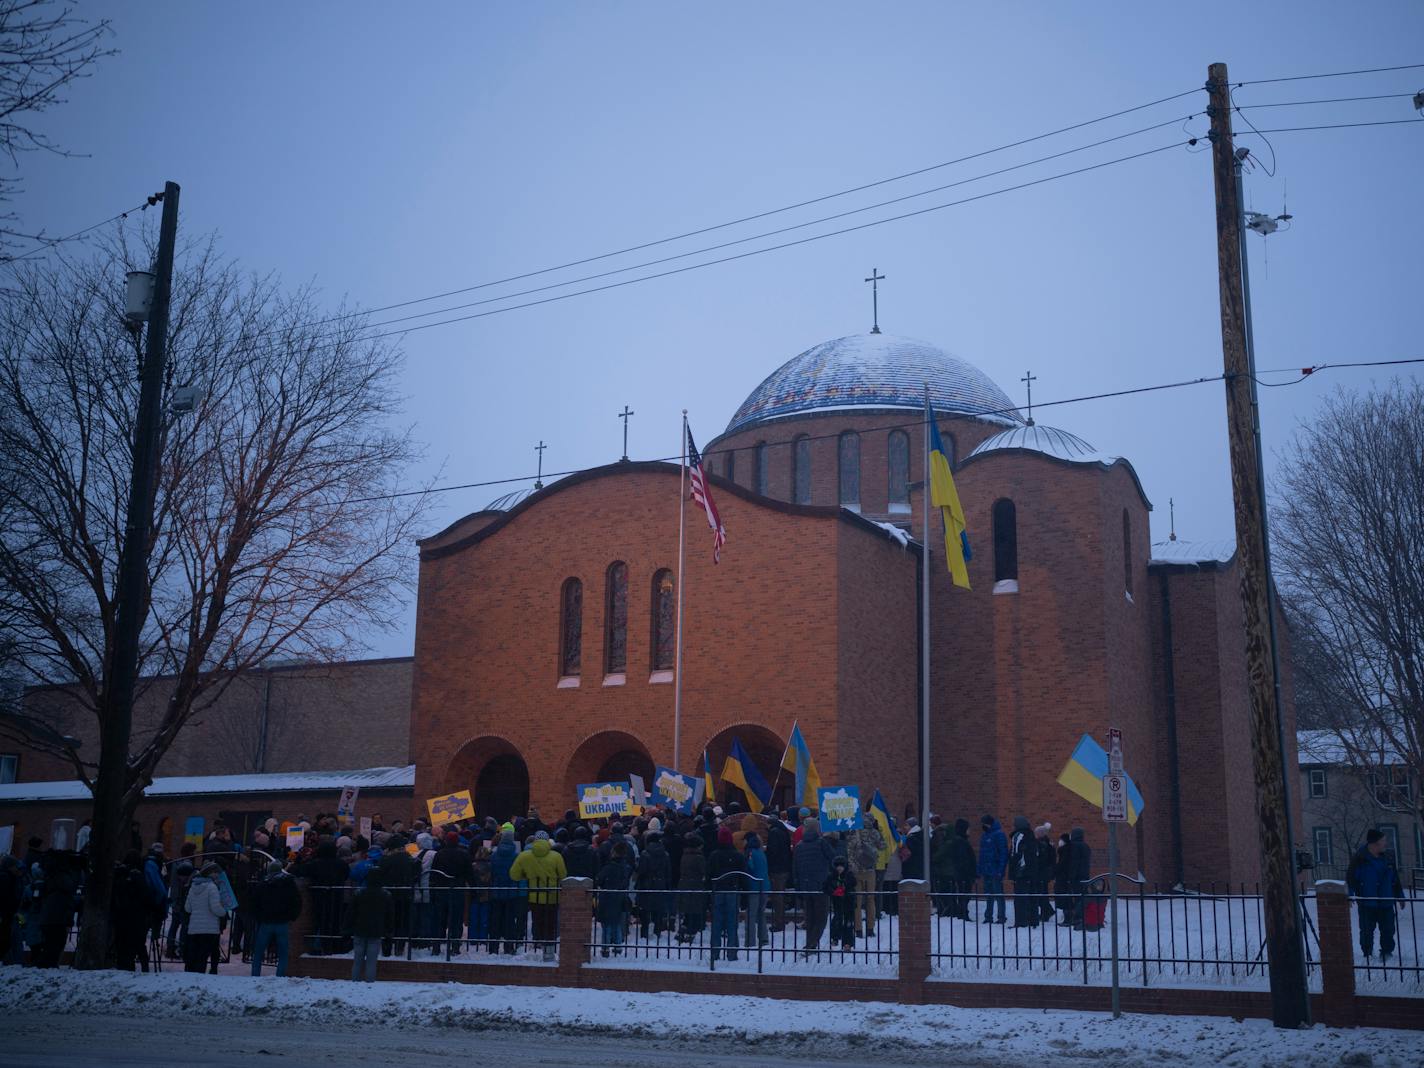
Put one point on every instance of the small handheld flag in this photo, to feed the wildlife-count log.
(709, 792)
(744, 775)
(880, 816)
(797, 759)
(702, 495)
(945, 497)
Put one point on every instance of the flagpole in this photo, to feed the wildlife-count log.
(681, 562)
(925, 632)
(779, 769)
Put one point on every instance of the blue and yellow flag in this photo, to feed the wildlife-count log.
(797, 759)
(880, 815)
(709, 792)
(743, 774)
(945, 497)
(1083, 774)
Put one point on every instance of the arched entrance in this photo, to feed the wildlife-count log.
(764, 749)
(608, 756)
(494, 772)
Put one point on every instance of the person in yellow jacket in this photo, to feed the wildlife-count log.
(542, 870)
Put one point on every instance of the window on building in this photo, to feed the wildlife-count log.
(9, 767)
(1320, 839)
(1391, 787)
(1127, 552)
(664, 613)
(729, 465)
(1318, 784)
(848, 454)
(1006, 541)
(759, 459)
(616, 620)
(897, 451)
(801, 470)
(571, 628)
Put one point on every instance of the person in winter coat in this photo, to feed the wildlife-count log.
(12, 896)
(326, 876)
(399, 874)
(1374, 883)
(941, 871)
(1023, 872)
(612, 902)
(758, 881)
(961, 869)
(1043, 835)
(370, 920)
(726, 878)
(481, 894)
(1080, 870)
(811, 864)
(506, 897)
(839, 889)
(580, 859)
(778, 867)
(1062, 866)
(450, 874)
(157, 890)
(276, 903)
(691, 886)
(654, 880)
(206, 918)
(890, 882)
(542, 869)
(913, 852)
(864, 848)
(993, 860)
(130, 912)
(180, 875)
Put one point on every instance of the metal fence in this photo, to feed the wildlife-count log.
(1386, 938)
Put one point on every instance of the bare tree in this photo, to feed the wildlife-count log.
(275, 530)
(1349, 545)
(44, 49)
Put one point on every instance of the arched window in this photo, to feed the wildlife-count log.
(1127, 552)
(898, 454)
(616, 620)
(1006, 541)
(664, 613)
(760, 457)
(571, 628)
(801, 470)
(729, 466)
(848, 463)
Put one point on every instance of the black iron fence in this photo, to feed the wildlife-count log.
(1386, 936)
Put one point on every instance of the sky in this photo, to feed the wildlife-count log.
(387, 153)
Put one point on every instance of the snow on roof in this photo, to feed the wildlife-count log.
(1050, 441)
(900, 535)
(1193, 552)
(188, 785)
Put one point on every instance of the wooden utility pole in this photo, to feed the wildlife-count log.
(1290, 1003)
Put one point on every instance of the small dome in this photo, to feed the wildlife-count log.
(875, 371)
(510, 500)
(1048, 440)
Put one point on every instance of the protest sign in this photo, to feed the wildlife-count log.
(840, 808)
(450, 808)
(605, 799)
(7, 839)
(674, 790)
(193, 830)
(346, 807)
(366, 827)
(296, 838)
(637, 791)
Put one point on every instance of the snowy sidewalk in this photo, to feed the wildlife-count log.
(729, 1022)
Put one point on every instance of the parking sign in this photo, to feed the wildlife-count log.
(1114, 798)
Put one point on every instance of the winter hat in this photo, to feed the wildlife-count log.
(804, 812)
(211, 868)
(541, 836)
(344, 843)
(724, 836)
(961, 826)
(716, 810)
(274, 867)
(451, 838)
(1373, 835)
(840, 862)
(424, 841)
(157, 847)
(506, 826)
(506, 836)
(582, 833)
(751, 841)
(986, 821)
(655, 825)
(1020, 823)
(1043, 829)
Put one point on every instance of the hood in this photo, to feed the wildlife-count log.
(540, 848)
(1076, 835)
(961, 828)
(1021, 823)
(506, 849)
(994, 826)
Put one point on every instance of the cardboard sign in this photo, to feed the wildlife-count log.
(346, 807)
(674, 790)
(598, 799)
(366, 827)
(296, 839)
(637, 790)
(451, 808)
(840, 808)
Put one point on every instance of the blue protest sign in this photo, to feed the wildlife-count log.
(840, 808)
(673, 790)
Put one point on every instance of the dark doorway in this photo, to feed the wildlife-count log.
(620, 765)
(502, 790)
(242, 822)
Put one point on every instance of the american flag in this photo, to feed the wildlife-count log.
(702, 494)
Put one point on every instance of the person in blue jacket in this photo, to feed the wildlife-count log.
(757, 886)
(993, 860)
(1374, 883)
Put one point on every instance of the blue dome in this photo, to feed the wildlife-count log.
(875, 371)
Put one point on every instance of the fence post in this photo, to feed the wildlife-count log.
(298, 931)
(575, 916)
(1337, 954)
(914, 924)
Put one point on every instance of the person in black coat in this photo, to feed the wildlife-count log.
(778, 869)
(654, 880)
(1023, 866)
(448, 889)
(1046, 861)
(327, 875)
(276, 902)
(839, 887)
(914, 864)
(1080, 864)
(726, 878)
(580, 858)
(961, 866)
(130, 909)
(1062, 865)
(399, 874)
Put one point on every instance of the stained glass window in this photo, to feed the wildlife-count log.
(730, 467)
(760, 486)
(849, 462)
(571, 627)
(898, 453)
(617, 619)
(801, 470)
(664, 622)
(1006, 540)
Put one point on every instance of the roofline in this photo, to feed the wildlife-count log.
(463, 519)
(857, 409)
(256, 669)
(1100, 464)
(623, 467)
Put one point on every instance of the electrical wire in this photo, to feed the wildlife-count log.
(1332, 74)
(49, 243)
(1331, 126)
(1328, 100)
(1231, 96)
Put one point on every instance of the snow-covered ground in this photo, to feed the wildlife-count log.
(823, 1031)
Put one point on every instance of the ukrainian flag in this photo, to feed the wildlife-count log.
(1083, 774)
(881, 815)
(797, 759)
(709, 792)
(743, 774)
(945, 497)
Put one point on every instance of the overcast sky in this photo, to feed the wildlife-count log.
(393, 151)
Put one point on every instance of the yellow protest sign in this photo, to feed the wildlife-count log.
(451, 808)
(605, 799)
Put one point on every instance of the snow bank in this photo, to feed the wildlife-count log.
(1013, 1033)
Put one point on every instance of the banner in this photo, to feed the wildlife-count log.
(597, 799)
(296, 838)
(346, 807)
(451, 808)
(7, 840)
(674, 790)
(193, 831)
(840, 808)
(366, 827)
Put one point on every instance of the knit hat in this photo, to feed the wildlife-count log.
(655, 825)
(724, 836)
(451, 838)
(541, 836)
(506, 836)
(804, 812)
(506, 826)
(986, 820)
(211, 868)
(1373, 835)
(1043, 829)
(424, 840)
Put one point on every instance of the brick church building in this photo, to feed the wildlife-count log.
(545, 630)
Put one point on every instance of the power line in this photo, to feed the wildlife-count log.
(1332, 74)
(1327, 100)
(1332, 126)
(51, 242)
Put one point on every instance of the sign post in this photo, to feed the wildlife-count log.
(1114, 812)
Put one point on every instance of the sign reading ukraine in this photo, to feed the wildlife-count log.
(597, 799)
(840, 808)
(451, 808)
(673, 790)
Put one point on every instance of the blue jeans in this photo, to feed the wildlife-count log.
(479, 920)
(615, 934)
(364, 954)
(724, 923)
(756, 920)
(270, 932)
(994, 893)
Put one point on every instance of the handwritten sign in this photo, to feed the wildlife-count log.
(674, 790)
(296, 838)
(605, 799)
(451, 808)
(346, 807)
(840, 808)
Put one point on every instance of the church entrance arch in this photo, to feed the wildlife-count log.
(494, 772)
(608, 756)
(764, 748)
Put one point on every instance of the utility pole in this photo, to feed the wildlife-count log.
(1290, 1004)
(131, 610)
